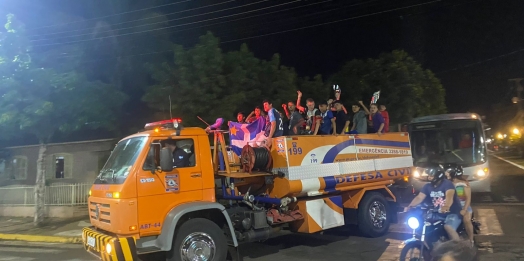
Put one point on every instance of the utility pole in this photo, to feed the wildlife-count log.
(518, 85)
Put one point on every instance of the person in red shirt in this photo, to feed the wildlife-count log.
(466, 142)
(385, 115)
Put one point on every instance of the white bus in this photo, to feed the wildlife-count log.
(450, 138)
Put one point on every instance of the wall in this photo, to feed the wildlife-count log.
(50, 211)
(88, 158)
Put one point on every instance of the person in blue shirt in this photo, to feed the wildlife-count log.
(325, 122)
(274, 125)
(440, 193)
(378, 121)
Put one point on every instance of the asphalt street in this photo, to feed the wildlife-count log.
(501, 213)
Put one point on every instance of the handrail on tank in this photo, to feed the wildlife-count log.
(218, 140)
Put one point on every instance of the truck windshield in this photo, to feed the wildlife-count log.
(454, 141)
(121, 160)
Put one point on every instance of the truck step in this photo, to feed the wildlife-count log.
(147, 250)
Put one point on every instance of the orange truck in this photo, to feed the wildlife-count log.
(142, 206)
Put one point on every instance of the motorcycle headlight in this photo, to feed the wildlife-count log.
(413, 223)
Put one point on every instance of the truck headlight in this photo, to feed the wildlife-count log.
(416, 174)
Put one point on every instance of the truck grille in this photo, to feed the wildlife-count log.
(100, 211)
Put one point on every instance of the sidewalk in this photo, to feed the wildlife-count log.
(53, 230)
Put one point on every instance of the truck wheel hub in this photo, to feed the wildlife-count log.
(377, 211)
(197, 247)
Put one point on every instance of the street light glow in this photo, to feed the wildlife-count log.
(516, 131)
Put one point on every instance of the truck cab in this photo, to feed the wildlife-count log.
(133, 195)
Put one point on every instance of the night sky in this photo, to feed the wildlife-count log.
(472, 46)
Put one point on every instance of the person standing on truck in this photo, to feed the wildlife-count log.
(385, 115)
(378, 121)
(295, 118)
(255, 115)
(313, 117)
(360, 124)
(327, 116)
(240, 118)
(341, 120)
(274, 125)
(180, 157)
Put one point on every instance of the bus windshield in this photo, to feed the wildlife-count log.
(121, 160)
(452, 141)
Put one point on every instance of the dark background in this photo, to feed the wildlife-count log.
(474, 47)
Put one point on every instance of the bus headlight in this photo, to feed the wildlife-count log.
(482, 173)
(413, 223)
(416, 174)
(109, 249)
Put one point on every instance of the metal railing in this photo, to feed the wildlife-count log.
(55, 195)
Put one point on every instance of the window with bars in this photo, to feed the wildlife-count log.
(16, 168)
(60, 166)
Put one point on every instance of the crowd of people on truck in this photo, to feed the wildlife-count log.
(319, 118)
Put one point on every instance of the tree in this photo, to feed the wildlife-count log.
(44, 100)
(205, 81)
(406, 88)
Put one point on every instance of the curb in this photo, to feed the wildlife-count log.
(38, 238)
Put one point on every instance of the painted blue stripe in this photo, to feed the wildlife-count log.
(330, 184)
(337, 200)
(388, 143)
(333, 152)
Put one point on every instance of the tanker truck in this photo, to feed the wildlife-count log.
(141, 205)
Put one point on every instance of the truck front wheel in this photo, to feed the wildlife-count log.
(199, 239)
(373, 219)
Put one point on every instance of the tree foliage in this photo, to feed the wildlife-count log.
(42, 100)
(406, 88)
(205, 81)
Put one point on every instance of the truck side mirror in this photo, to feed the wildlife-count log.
(166, 159)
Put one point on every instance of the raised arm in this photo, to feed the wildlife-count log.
(299, 96)
(364, 107)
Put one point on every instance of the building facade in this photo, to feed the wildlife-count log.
(65, 163)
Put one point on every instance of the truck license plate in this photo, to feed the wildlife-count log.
(91, 241)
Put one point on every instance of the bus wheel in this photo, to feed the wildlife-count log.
(199, 239)
(373, 220)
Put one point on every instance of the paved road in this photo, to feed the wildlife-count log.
(501, 213)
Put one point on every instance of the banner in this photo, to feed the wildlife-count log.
(375, 97)
(243, 134)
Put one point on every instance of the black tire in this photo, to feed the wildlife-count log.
(365, 223)
(199, 225)
(414, 245)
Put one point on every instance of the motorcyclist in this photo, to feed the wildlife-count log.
(463, 190)
(440, 193)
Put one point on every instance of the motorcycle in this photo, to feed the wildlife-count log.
(428, 231)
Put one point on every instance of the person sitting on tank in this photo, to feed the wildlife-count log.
(440, 193)
(180, 157)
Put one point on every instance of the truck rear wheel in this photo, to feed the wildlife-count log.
(199, 239)
(373, 219)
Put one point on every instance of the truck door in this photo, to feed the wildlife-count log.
(158, 193)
